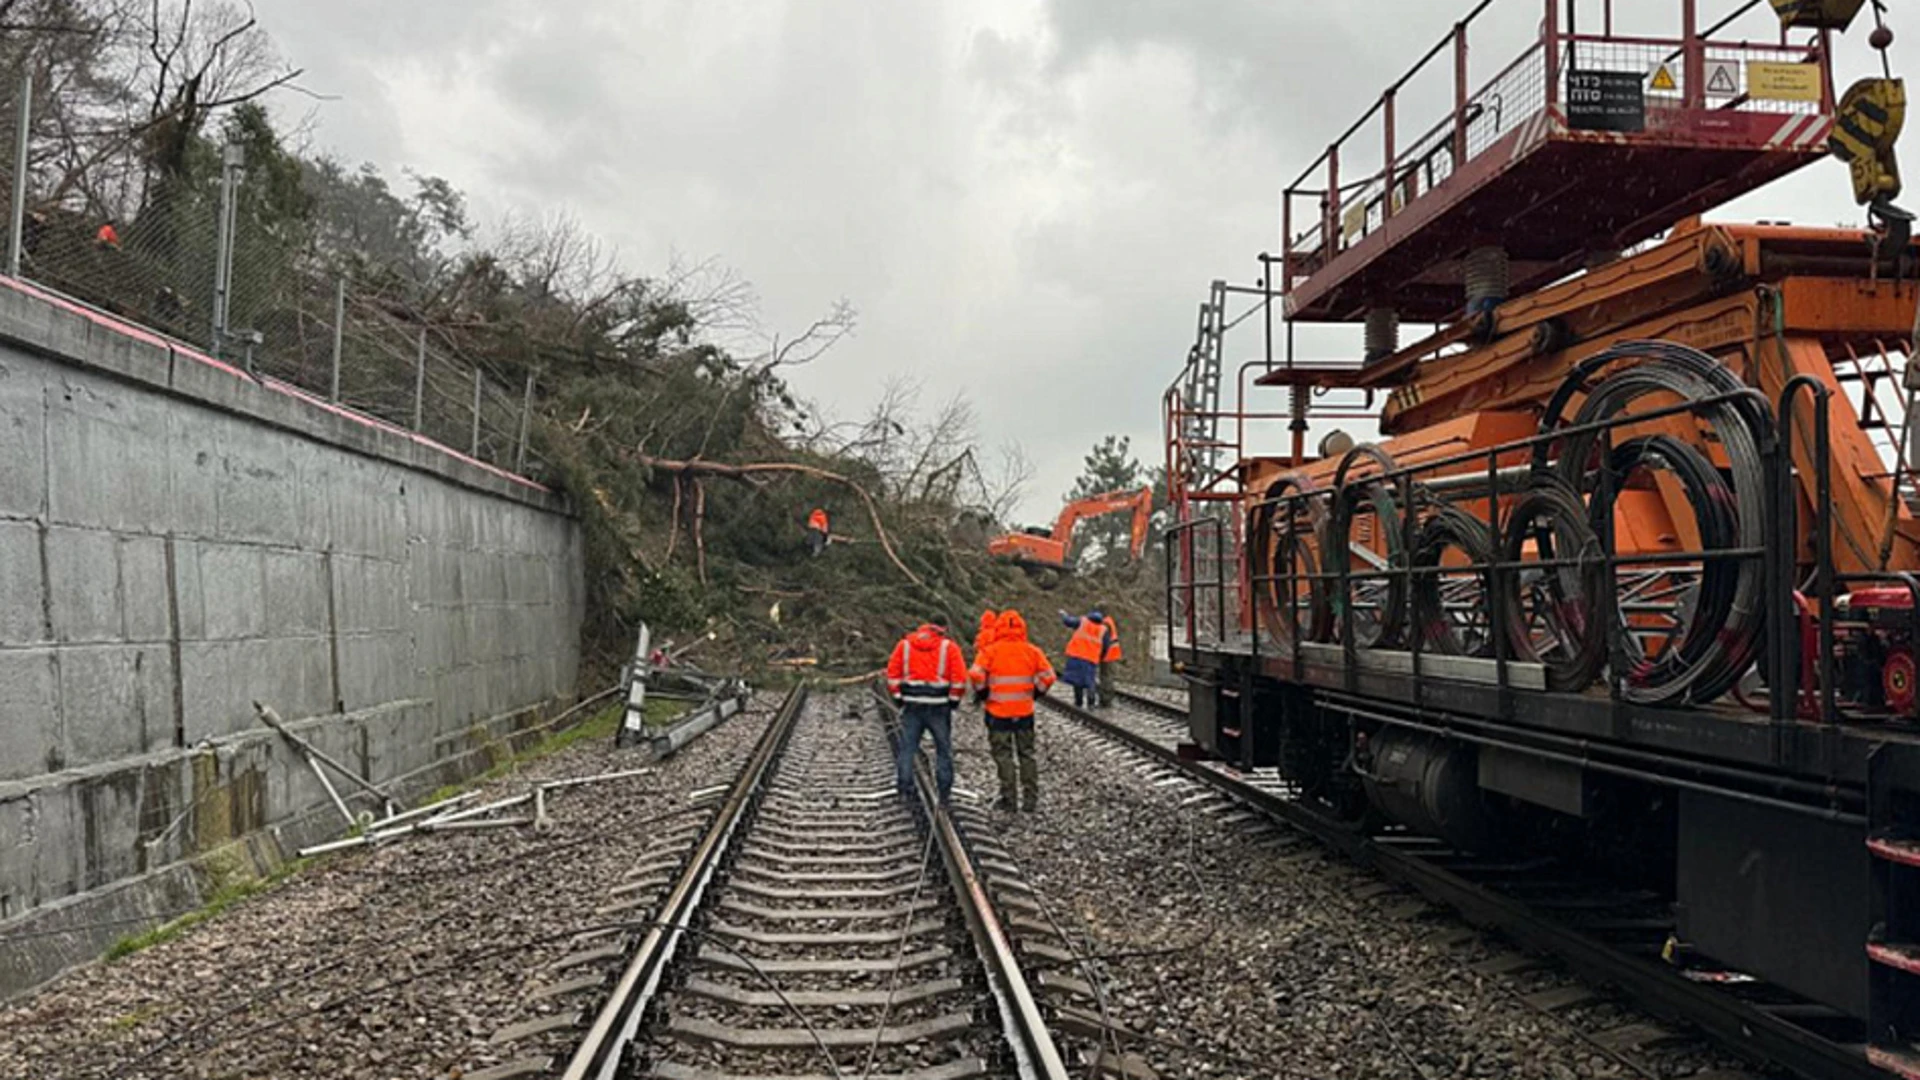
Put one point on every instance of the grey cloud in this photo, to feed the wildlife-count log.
(1025, 198)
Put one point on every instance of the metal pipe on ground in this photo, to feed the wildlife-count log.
(674, 739)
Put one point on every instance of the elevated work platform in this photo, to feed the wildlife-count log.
(1584, 145)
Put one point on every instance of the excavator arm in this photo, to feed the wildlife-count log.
(1051, 551)
(1094, 506)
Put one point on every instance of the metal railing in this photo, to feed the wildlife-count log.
(1342, 197)
(210, 267)
(1293, 599)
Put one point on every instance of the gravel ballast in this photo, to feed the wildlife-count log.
(1238, 950)
(397, 962)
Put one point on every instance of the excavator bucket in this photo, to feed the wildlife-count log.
(1817, 14)
(1864, 132)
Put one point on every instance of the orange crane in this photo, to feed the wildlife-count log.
(1049, 550)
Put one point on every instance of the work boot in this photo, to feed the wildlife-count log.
(1031, 806)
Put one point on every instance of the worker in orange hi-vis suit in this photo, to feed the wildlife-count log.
(926, 677)
(817, 532)
(989, 628)
(1008, 675)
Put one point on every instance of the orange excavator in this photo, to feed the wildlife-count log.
(1049, 550)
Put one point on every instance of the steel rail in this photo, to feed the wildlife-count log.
(601, 1051)
(1739, 1027)
(1020, 1017)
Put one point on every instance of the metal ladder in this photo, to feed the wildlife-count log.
(1893, 944)
(1878, 378)
(1203, 384)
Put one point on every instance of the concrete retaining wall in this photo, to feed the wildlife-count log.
(178, 541)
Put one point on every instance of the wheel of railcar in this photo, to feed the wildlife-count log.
(1365, 525)
(1553, 608)
(1452, 606)
(1287, 540)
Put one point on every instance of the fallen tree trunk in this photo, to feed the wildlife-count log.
(751, 472)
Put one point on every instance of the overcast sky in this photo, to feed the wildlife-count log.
(1024, 199)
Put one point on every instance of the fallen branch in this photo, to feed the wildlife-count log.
(751, 472)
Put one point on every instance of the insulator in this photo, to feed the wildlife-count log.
(1487, 279)
(1382, 333)
(1297, 405)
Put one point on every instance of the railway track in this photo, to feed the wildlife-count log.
(813, 925)
(1603, 935)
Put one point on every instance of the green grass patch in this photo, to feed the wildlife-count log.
(227, 892)
(662, 712)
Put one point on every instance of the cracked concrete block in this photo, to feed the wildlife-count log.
(29, 714)
(83, 579)
(116, 701)
(107, 464)
(143, 589)
(23, 437)
(23, 590)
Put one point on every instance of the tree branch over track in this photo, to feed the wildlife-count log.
(751, 473)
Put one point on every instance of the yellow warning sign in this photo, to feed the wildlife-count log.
(1663, 79)
(1783, 82)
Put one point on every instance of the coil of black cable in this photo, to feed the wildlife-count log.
(1553, 517)
(1664, 677)
(1449, 528)
(1376, 496)
(1741, 425)
(1274, 550)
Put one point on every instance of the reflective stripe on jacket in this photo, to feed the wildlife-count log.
(926, 668)
(1013, 672)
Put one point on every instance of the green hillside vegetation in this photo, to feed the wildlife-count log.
(646, 388)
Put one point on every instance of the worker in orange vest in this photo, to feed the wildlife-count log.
(1007, 676)
(817, 532)
(927, 677)
(1086, 651)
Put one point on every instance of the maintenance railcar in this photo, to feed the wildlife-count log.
(1632, 575)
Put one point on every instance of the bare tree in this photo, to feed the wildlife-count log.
(200, 58)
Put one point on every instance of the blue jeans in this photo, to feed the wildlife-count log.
(938, 721)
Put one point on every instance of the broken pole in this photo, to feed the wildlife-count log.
(272, 720)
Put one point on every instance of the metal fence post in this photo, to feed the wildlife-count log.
(339, 330)
(420, 383)
(22, 139)
(526, 410)
(232, 157)
(473, 446)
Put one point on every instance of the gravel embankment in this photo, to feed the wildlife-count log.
(400, 962)
(1240, 952)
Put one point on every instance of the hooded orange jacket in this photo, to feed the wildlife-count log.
(989, 629)
(1013, 672)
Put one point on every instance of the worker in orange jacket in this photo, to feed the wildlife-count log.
(927, 677)
(1008, 676)
(817, 532)
(1087, 651)
(989, 627)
